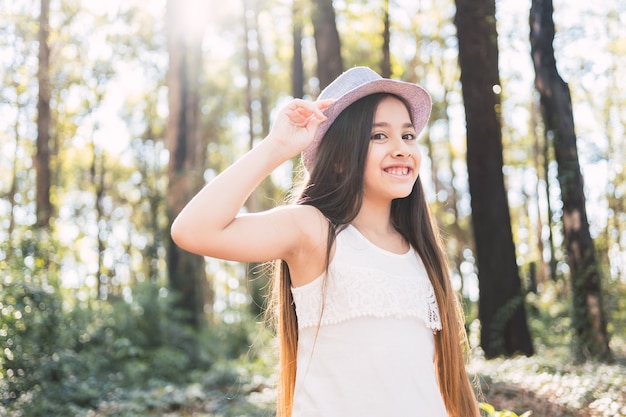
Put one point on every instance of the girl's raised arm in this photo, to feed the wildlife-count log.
(211, 225)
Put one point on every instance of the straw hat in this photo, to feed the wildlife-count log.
(357, 83)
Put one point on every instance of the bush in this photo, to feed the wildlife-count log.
(30, 320)
(55, 360)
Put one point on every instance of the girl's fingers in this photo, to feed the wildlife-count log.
(306, 108)
(324, 104)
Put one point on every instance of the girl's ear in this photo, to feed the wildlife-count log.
(338, 168)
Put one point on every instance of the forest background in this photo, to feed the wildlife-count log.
(112, 114)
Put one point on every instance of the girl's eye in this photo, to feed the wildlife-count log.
(378, 136)
(408, 136)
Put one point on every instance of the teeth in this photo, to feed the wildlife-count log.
(398, 170)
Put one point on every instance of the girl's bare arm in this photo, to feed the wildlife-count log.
(211, 224)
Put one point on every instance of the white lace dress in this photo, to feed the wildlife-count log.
(369, 351)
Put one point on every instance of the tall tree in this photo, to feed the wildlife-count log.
(385, 65)
(297, 63)
(97, 174)
(10, 92)
(556, 106)
(42, 156)
(187, 153)
(248, 14)
(327, 43)
(541, 161)
(256, 74)
(504, 330)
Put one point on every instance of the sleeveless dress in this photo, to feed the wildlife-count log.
(365, 345)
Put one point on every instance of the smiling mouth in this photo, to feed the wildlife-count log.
(398, 171)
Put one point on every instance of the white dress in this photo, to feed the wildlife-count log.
(371, 352)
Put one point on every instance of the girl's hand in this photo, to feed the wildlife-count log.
(296, 124)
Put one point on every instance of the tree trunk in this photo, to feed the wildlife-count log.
(262, 73)
(97, 179)
(504, 330)
(10, 245)
(297, 63)
(42, 156)
(385, 65)
(249, 77)
(187, 275)
(541, 153)
(556, 106)
(327, 44)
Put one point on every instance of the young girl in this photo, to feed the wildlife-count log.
(368, 323)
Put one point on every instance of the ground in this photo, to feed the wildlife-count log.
(505, 396)
(550, 385)
(547, 384)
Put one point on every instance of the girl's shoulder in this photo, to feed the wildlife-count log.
(313, 228)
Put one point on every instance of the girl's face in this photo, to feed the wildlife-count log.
(393, 158)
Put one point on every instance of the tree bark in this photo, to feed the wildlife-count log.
(42, 156)
(262, 72)
(556, 106)
(385, 65)
(504, 330)
(327, 44)
(248, 68)
(97, 175)
(297, 63)
(14, 187)
(541, 161)
(187, 275)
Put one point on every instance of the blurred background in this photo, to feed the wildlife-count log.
(113, 114)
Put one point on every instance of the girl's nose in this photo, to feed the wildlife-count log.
(402, 150)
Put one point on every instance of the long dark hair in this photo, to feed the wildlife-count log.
(335, 187)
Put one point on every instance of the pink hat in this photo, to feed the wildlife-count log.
(357, 83)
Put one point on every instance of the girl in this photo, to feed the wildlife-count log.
(367, 320)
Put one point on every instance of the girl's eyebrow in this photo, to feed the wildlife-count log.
(407, 125)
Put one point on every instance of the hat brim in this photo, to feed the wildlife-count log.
(415, 96)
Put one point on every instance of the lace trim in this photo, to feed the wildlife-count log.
(353, 292)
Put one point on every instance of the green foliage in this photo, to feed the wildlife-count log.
(230, 389)
(498, 326)
(549, 315)
(615, 305)
(63, 358)
(57, 360)
(28, 331)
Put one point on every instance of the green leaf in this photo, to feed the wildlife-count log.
(487, 407)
